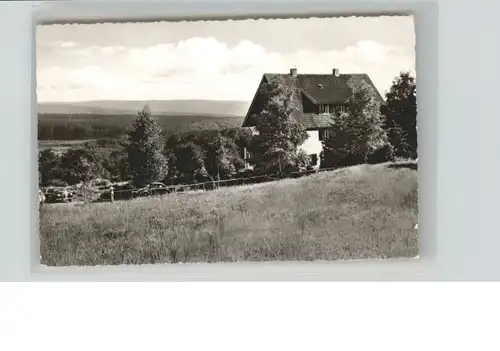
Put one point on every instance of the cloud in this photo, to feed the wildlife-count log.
(201, 68)
(63, 44)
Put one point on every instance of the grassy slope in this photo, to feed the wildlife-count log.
(360, 212)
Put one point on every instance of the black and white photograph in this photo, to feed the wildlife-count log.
(253, 140)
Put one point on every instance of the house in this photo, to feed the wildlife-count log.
(317, 98)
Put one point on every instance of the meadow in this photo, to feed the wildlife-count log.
(366, 211)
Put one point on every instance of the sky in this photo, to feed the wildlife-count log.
(215, 60)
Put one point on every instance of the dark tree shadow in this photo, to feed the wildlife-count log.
(410, 165)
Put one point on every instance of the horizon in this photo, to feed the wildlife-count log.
(213, 60)
(138, 100)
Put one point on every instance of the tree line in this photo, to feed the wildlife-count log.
(94, 126)
(365, 132)
(66, 128)
(144, 155)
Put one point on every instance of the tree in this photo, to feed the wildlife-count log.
(173, 174)
(234, 149)
(398, 139)
(81, 165)
(145, 150)
(116, 164)
(173, 141)
(124, 168)
(357, 132)
(304, 159)
(400, 111)
(279, 134)
(48, 166)
(340, 149)
(242, 137)
(219, 156)
(382, 154)
(189, 162)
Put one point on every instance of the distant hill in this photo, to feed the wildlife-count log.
(211, 108)
(98, 119)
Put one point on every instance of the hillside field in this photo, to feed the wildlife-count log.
(367, 211)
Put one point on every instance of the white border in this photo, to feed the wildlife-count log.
(249, 317)
(457, 201)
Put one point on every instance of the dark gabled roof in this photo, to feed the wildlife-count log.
(319, 89)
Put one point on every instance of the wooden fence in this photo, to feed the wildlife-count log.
(103, 194)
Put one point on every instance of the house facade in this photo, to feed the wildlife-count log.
(317, 99)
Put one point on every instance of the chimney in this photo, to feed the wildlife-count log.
(293, 72)
(335, 72)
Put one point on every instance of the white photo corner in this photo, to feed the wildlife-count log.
(217, 141)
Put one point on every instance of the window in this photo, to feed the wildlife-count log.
(246, 154)
(313, 159)
(323, 134)
(331, 108)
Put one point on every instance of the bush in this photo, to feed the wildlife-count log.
(99, 183)
(57, 183)
(247, 173)
(381, 155)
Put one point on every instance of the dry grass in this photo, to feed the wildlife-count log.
(359, 212)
